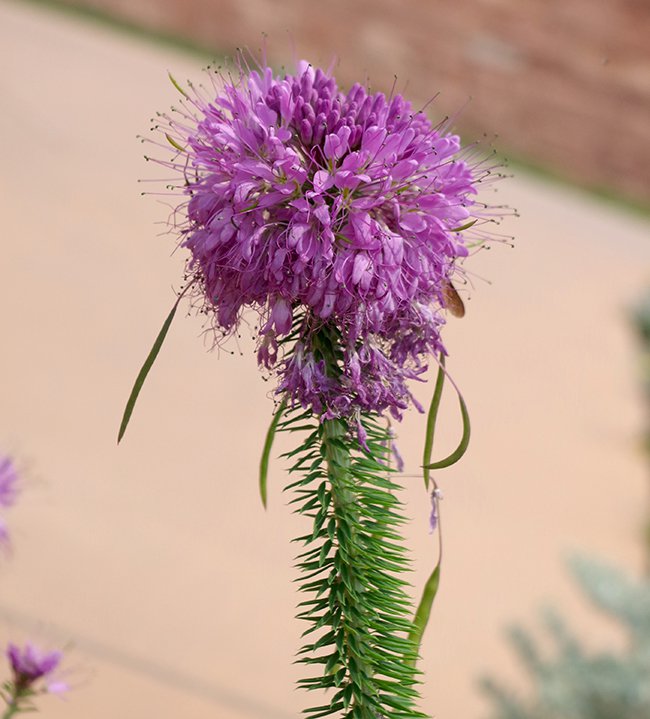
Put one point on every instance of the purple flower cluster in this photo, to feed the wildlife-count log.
(8, 492)
(29, 665)
(320, 208)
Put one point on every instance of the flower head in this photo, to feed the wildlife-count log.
(29, 665)
(323, 209)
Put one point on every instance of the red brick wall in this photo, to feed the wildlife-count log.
(564, 83)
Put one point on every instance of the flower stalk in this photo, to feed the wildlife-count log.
(352, 568)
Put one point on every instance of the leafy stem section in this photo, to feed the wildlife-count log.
(352, 572)
(357, 609)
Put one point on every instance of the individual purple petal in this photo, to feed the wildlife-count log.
(57, 687)
(322, 181)
(280, 317)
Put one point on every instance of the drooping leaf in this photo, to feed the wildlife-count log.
(144, 371)
(266, 450)
(431, 420)
(462, 445)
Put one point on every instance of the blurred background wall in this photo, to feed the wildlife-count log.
(565, 84)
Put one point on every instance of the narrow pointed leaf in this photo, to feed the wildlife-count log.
(266, 451)
(421, 618)
(431, 420)
(146, 367)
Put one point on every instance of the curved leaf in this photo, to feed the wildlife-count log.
(266, 451)
(431, 421)
(463, 444)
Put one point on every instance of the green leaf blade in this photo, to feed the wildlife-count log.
(431, 420)
(144, 371)
(266, 451)
(462, 445)
(423, 611)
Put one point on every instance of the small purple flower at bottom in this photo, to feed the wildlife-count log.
(29, 665)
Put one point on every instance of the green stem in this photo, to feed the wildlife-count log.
(368, 609)
(356, 603)
(352, 656)
(14, 698)
(352, 569)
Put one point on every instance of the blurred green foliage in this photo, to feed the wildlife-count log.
(576, 682)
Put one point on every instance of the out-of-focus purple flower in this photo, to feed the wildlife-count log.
(8, 482)
(323, 208)
(29, 665)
